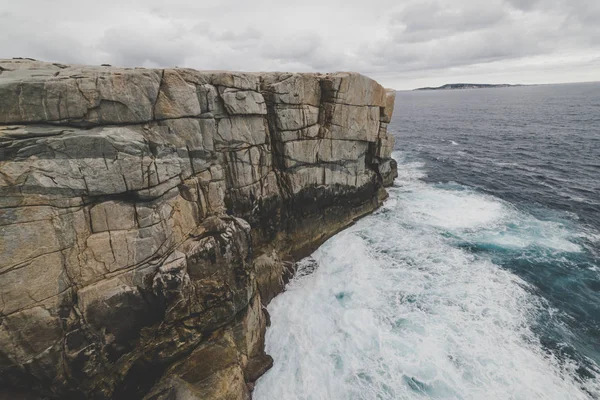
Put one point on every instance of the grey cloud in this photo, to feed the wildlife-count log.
(436, 35)
(398, 41)
(128, 47)
(297, 47)
(442, 18)
(249, 33)
(48, 44)
(525, 5)
(226, 33)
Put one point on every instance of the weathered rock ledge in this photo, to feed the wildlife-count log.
(146, 216)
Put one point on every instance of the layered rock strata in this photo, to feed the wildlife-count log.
(147, 216)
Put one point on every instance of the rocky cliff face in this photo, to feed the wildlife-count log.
(146, 216)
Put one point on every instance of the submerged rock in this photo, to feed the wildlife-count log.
(147, 216)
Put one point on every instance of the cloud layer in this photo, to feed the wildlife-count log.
(403, 43)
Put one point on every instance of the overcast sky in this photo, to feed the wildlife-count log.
(402, 43)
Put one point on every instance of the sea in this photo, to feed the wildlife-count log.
(479, 277)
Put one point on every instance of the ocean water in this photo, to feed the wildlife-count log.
(480, 276)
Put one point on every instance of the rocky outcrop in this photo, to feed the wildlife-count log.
(146, 217)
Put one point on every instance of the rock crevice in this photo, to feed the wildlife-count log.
(148, 216)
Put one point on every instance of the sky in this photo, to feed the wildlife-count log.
(403, 44)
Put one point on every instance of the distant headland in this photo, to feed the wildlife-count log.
(454, 86)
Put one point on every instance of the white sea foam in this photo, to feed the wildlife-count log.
(483, 219)
(474, 217)
(396, 311)
(449, 209)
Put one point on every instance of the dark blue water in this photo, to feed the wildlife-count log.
(532, 145)
(537, 148)
(479, 278)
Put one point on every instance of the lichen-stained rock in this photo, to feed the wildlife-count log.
(115, 310)
(388, 171)
(269, 274)
(349, 122)
(243, 102)
(309, 132)
(148, 216)
(211, 103)
(35, 330)
(212, 371)
(240, 132)
(78, 95)
(352, 89)
(236, 80)
(176, 98)
(385, 142)
(388, 109)
(98, 161)
(286, 88)
(45, 279)
(315, 151)
(247, 166)
(112, 216)
(295, 117)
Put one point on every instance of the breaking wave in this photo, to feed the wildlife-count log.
(430, 298)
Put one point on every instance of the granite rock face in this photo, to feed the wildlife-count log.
(147, 216)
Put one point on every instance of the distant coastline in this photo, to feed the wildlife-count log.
(456, 86)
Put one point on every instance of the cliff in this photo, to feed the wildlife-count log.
(147, 216)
